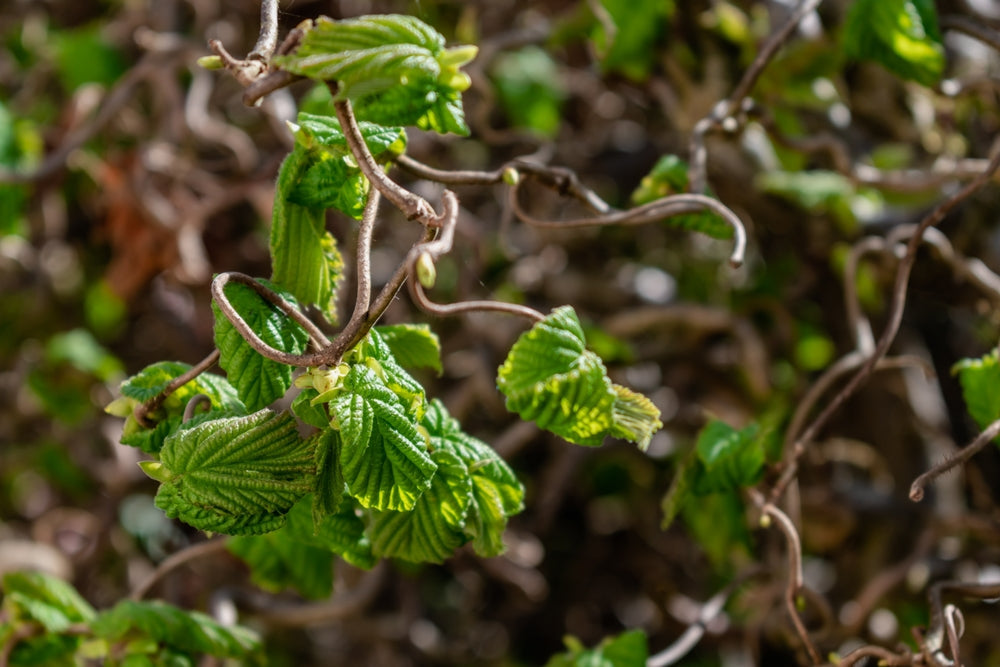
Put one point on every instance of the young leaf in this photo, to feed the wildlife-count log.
(729, 459)
(628, 649)
(377, 355)
(413, 345)
(277, 562)
(393, 68)
(550, 378)
(433, 529)
(669, 176)
(496, 492)
(901, 35)
(189, 632)
(150, 382)
(304, 256)
(330, 484)
(259, 381)
(980, 380)
(238, 476)
(311, 413)
(383, 458)
(45, 599)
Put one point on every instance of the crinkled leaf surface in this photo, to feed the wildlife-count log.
(259, 380)
(304, 256)
(496, 492)
(550, 378)
(375, 353)
(669, 176)
(413, 345)
(190, 632)
(150, 382)
(628, 649)
(238, 476)
(393, 68)
(900, 35)
(48, 600)
(383, 458)
(980, 380)
(432, 531)
(330, 486)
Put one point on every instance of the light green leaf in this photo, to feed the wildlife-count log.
(635, 417)
(900, 35)
(530, 90)
(383, 458)
(313, 414)
(50, 601)
(550, 378)
(150, 382)
(432, 531)
(190, 632)
(259, 380)
(393, 68)
(628, 649)
(412, 345)
(669, 176)
(496, 492)
(304, 256)
(980, 380)
(375, 353)
(238, 476)
(729, 458)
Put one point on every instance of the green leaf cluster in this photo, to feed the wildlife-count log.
(629, 649)
(900, 35)
(61, 628)
(550, 378)
(394, 69)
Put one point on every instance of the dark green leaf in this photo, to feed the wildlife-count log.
(45, 599)
(277, 562)
(530, 89)
(186, 631)
(432, 531)
(238, 476)
(729, 459)
(901, 35)
(383, 458)
(639, 24)
(259, 381)
(342, 533)
(330, 485)
(628, 649)
(412, 345)
(669, 176)
(313, 414)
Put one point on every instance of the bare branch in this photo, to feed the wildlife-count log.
(176, 560)
(268, 39)
(963, 455)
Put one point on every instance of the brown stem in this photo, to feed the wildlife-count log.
(960, 457)
(267, 41)
(173, 562)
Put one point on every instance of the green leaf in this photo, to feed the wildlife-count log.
(900, 35)
(46, 651)
(304, 256)
(330, 177)
(530, 89)
(393, 68)
(412, 345)
(383, 458)
(717, 521)
(680, 492)
(639, 25)
(330, 485)
(186, 631)
(729, 458)
(549, 377)
(496, 492)
(84, 55)
(277, 562)
(342, 533)
(432, 531)
(313, 414)
(149, 383)
(980, 380)
(45, 599)
(375, 353)
(238, 476)
(669, 176)
(628, 649)
(259, 380)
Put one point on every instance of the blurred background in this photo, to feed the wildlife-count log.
(147, 175)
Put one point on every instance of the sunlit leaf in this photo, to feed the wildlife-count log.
(383, 457)
(238, 476)
(980, 380)
(669, 176)
(48, 600)
(413, 345)
(628, 649)
(433, 529)
(259, 380)
(901, 35)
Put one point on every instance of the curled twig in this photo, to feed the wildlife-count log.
(196, 401)
(142, 410)
(943, 620)
(960, 457)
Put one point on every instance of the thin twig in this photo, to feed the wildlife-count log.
(413, 206)
(972, 28)
(341, 606)
(441, 246)
(666, 207)
(932, 644)
(268, 39)
(142, 410)
(193, 404)
(173, 562)
(957, 459)
(362, 303)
